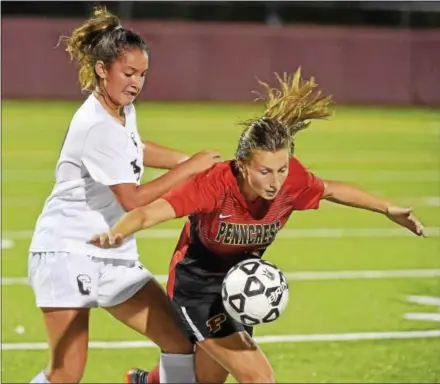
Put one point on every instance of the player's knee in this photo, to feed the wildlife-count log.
(257, 376)
(181, 347)
(70, 371)
(202, 376)
(173, 340)
(65, 374)
(176, 350)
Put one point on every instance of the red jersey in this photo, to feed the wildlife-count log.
(223, 228)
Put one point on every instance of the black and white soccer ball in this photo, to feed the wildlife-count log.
(254, 292)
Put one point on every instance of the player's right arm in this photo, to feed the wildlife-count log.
(107, 162)
(199, 194)
(134, 221)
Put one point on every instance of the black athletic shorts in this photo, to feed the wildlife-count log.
(195, 285)
(207, 319)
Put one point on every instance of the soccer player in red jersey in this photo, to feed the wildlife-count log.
(235, 210)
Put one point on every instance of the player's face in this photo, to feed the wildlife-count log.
(266, 172)
(126, 76)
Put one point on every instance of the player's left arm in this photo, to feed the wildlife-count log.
(198, 194)
(349, 195)
(140, 218)
(159, 156)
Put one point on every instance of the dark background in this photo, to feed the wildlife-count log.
(396, 14)
(361, 52)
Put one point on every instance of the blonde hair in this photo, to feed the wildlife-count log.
(288, 110)
(295, 102)
(101, 37)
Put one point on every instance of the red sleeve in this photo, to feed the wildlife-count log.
(199, 194)
(307, 189)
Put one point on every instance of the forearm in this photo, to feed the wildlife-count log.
(151, 191)
(130, 223)
(144, 217)
(158, 156)
(352, 196)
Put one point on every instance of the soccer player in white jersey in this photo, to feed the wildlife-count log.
(97, 179)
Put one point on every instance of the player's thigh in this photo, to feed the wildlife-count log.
(68, 336)
(207, 369)
(241, 357)
(65, 287)
(228, 342)
(205, 318)
(146, 308)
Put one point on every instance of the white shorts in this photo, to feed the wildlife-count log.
(68, 280)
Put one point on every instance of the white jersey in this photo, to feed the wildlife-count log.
(97, 152)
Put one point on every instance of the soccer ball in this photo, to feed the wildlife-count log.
(254, 292)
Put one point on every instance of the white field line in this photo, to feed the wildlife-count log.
(7, 244)
(422, 316)
(311, 276)
(259, 339)
(423, 300)
(283, 234)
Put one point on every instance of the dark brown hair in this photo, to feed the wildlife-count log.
(100, 38)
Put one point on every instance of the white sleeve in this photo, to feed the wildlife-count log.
(105, 156)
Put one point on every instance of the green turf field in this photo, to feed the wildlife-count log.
(355, 326)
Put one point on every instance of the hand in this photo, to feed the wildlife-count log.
(107, 240)
(405, 218)
(202, 161)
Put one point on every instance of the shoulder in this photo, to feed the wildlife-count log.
(220, 174)
(296, 168)
(88, 115)
(304, 187)
(299, 175)
(214, 181)
(104, 134)
(222, 170)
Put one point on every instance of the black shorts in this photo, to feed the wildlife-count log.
(207, 319)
